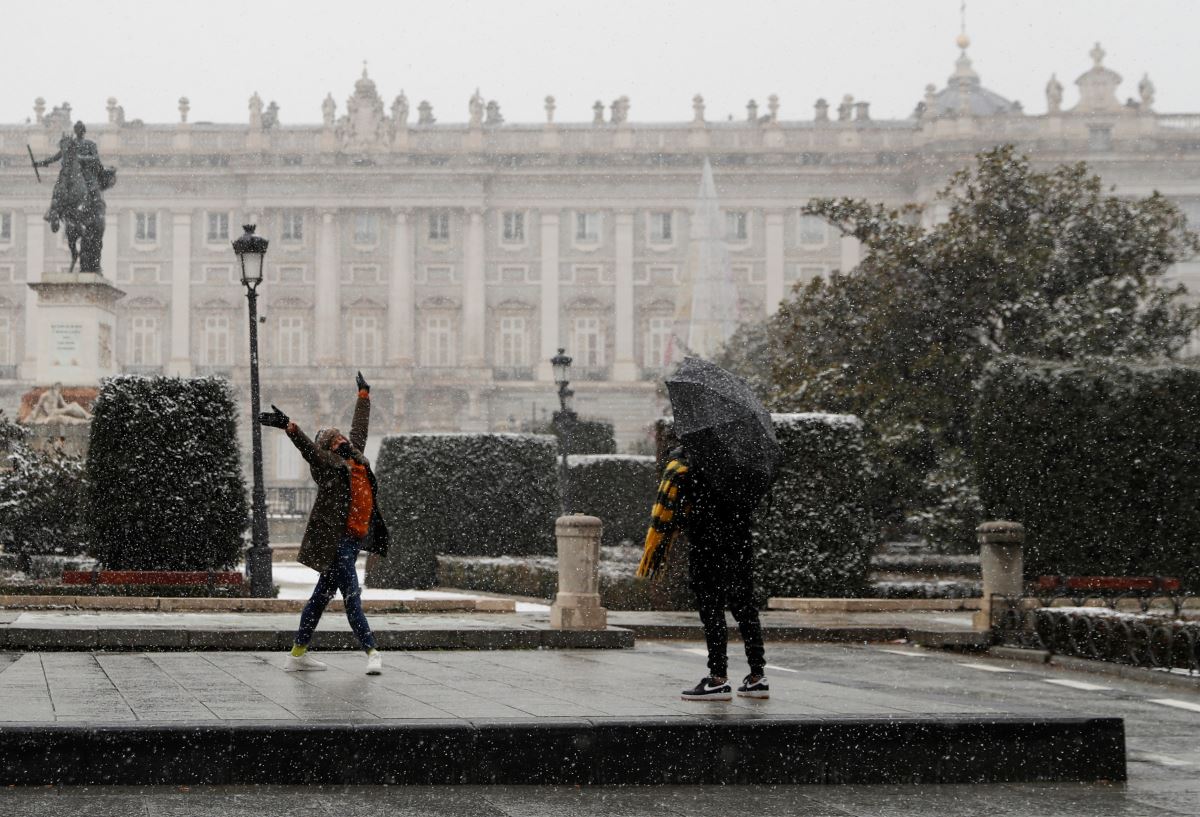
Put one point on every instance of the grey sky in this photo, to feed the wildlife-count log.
(658, 52)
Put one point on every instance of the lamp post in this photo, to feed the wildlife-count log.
(251, 250)
(564, 420)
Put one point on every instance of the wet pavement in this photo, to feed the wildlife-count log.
(1161, 724)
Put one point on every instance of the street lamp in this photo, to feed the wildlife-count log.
(564, 419)
(251, 250)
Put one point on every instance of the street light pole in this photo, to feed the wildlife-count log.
(563, 420)
(251, 249)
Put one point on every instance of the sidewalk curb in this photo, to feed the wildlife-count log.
(582, 751)
(1075, 664)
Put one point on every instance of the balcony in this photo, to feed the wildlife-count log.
(287, 502)
(8, 371)
(512, 373)
(589, 373)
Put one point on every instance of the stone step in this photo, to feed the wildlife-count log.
(579, 751)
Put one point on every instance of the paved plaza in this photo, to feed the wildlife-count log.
(882, 679)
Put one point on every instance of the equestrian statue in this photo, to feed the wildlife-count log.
(78, 201)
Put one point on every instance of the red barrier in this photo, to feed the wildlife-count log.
(162, 577)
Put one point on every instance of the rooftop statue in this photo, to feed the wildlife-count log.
(78, 200)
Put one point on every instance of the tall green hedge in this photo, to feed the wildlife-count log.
(617, 488)
(464, 495)
(165, 489)
(41, 498)
(1100, 461)
(814, 534)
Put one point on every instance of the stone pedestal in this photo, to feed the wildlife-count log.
(1002, 564)
(76, 328)
(577, 605)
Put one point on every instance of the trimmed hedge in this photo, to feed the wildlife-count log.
(1100, 461)
(165, 489)
(814, 534)
(41, 503)
(617, 488)
(463, 494)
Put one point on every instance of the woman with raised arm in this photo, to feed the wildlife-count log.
(344, 520)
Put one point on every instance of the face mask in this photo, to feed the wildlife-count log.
(344, 450)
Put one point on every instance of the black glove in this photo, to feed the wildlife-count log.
(344, 450)
(362, 383)
(275, 419)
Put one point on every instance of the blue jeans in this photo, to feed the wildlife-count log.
(341, 575)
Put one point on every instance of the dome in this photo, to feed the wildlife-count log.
(965, 95)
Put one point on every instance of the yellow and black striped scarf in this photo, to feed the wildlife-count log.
(664, 520)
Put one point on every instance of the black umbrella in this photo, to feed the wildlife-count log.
(728, 435)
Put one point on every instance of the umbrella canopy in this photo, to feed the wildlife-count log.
(728, 434)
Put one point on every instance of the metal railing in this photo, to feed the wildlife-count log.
(1145, 628)
(284, 502)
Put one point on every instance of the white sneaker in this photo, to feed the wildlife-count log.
(305, 663)
(374, 663)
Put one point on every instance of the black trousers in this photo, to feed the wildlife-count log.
(721, 566)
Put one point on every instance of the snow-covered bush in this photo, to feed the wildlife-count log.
(617, 488)
(1100, 462)
(165, 489)
(40, 498)
(463, 494)
(814, 534)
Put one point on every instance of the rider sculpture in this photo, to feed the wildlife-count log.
(77, 200)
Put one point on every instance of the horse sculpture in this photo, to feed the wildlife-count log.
(77, 202)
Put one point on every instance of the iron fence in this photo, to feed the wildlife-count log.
(1155, 629)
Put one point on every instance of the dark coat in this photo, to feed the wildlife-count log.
(327, 520)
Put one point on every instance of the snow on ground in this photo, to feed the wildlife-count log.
(297, 581)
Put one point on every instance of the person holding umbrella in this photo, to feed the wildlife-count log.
(710, 490)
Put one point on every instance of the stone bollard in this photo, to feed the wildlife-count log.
(577, 605)
(1002, 563)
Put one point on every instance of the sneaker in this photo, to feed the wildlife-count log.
(374, 663)
(305, 663)
(758, 689)
(706, 690)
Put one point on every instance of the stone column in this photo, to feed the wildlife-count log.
(624, 366)
(327, 312)
(35, 265)
(180, 362)
(850, 251)
(774, 239)
(401, 294)
(1002, 563)
(577, 604)
(474, 294)
(548, 313)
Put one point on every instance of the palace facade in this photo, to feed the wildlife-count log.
(449, 261)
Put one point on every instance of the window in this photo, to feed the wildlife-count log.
(5, 228)
(215, 343)
(660, 228)
(217, 274)
(364, 340)
(439, 226)
(293, 225)
(288, 462)
(145, 228)
(1100, 138)
(812, 230)
(218, 227)
(292, 348)
(589, 343)
(514, 343)
(737, 226)
(438, 348)
(656, 354)
(6, 273)
(6, 341)
(587, 227)
(143, 341)
(514, 227)
(366, 228)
